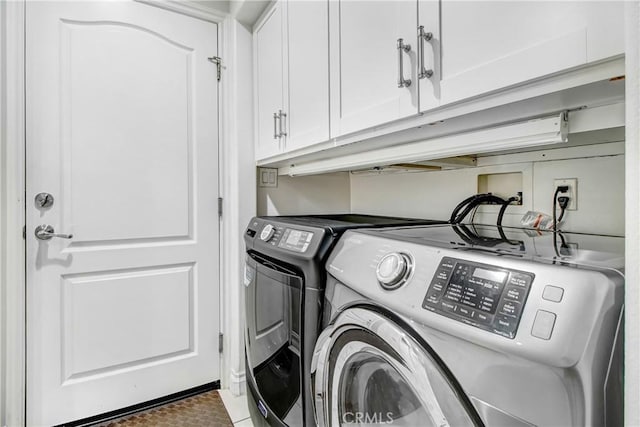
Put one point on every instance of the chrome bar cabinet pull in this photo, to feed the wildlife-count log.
(275, 126)
(402, 82)
(422, 37)
(283, 124)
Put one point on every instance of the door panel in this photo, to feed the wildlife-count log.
(308, 73)
(164, 331)
(269, 69)
(109, 130)
(364, 63)
(122, 131)
(492, 45)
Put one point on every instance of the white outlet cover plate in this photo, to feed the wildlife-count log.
(572, 193)
(267, 177)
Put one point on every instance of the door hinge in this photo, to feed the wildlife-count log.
(24, 232)
(220, 342)
(220, 206)
(218, 61)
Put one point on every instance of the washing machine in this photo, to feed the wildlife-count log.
(284, 282)
(469, 326)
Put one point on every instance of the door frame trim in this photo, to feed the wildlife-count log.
(12, 215)
(13, 204)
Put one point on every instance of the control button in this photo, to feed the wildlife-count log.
(515, 293)
(442, 274)
(543, 324)
(510, 308)
(437, 285)
(522, 280)
(393, 270)
(432, 297)
(447, 264)
(267, 232)
(505, 323)
(448, 307)
(466, 312)
(553, 293)
(483, 318)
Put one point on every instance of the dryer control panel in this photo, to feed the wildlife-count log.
(485, 296)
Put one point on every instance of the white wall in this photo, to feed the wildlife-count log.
(327, 193)
(435, 194)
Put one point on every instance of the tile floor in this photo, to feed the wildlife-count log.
(236, 408)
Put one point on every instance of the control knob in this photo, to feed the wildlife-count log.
(267, 232)
(393, 270)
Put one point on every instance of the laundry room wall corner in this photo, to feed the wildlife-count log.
(239, 195)
(12, 281)
(302, 195)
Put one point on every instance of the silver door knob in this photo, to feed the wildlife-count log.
(46, 232)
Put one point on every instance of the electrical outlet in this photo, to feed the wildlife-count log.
(572, 183)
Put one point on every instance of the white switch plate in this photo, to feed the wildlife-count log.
(267, 177)
(572, 183)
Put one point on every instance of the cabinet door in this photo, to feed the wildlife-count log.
(492, 45)
(365, 64)
(268, 68)
(308, 73)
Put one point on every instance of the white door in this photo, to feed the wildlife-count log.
(122, 113)
(269, 79)
(491, 45)
(365, 63)
(308, 73)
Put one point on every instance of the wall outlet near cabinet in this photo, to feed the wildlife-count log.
(267, 177)
(572, 183)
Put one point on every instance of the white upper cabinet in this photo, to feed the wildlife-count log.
(373, 57)
(269, 78)
(335, 72)
(292, 77)
(487, 45)
(308, 73)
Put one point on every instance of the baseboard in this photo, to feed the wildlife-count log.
(238, 384)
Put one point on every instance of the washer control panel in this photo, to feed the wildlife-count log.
(485, 296)
(295, 240)
(286, 238)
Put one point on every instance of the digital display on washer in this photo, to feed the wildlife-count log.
(485, 296)
(496, 276)
(295, 240)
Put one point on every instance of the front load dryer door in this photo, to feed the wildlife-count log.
(272, 336)
(368, 369)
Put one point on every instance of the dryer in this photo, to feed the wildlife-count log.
(469, 326)
(284, 282)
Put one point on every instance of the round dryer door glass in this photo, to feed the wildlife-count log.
(374, 392)
(376, 374)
